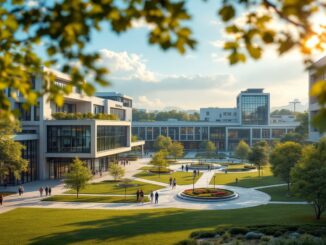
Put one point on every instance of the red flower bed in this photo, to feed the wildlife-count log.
(208, 192)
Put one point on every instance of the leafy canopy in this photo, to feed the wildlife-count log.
(259, 154)
(117, 171)
(78, 176)
(64, 28)
(176, 149)
(242, 151)
(162, 143)
(283, 158)
(308, 177)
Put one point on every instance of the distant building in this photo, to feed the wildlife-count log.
(314, 107)
(249, 121)
(51, 144)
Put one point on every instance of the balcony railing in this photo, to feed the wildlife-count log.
(83, 116)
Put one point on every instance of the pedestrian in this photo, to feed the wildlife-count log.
(1, 199)
(186, 168)
(236, 180)
(170, 181)
(152, 196)
(182, 167)
(46, 191)
(195, 172)
(174, 183)
(50, 190)
(156, 198)
(137, 195)
(141, 194)
(19, 191)
(41, 191)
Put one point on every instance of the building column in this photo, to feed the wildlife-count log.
(226, 139)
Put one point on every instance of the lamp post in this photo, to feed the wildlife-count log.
(193, 182)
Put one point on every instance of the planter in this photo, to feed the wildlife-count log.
(208, 195)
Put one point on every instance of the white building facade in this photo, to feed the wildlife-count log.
(52, 144)
(250, 122)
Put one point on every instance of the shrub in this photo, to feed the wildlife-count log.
(187, 242)
(238, 230)
(203, 234)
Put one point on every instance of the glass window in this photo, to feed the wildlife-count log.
(111, 137)
(119, 112)
(69, 139)
(98, 109)
(254, 109)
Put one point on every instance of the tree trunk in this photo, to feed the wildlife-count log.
(317, 211)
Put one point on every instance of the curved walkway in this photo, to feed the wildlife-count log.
(248, 197)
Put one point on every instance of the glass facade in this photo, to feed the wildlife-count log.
(119, 112)
(98, 109)
(69, 139)
(111, 137)
(254, 109)
(24, 114)
(236, 135)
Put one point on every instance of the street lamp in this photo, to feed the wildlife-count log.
(193, 182)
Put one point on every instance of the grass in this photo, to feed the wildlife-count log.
(183, 178)
(156, 226)
(250, 179)
(280, 193)
(112, 187)
(99, 199)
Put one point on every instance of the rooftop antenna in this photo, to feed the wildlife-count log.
(294, 102)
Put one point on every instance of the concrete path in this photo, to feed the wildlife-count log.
(248, 197)
(268, 186)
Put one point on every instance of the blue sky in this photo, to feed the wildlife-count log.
(201, 78)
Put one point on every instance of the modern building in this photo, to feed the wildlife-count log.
(314, 107)
(53, 142)
(249, 121)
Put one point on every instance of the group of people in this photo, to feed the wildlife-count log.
(173, 182)
(156, 195)
(124, 162)
(21, 190)
(47, 191)
(140, 196)
(185, 167)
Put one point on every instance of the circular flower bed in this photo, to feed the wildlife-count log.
(208, 194)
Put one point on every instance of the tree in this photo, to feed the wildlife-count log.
(294, 137)
(308, 177)
(208, 146)
(65, 27)
(259, 154)
(134, 138)
(162, 143)
(303, 119)
(176, 150)
(283, 158)
(159, 160)
(78, 176)
(11, 161)
(116, 171)
(242, 150)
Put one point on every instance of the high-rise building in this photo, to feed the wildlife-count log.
(54, 135)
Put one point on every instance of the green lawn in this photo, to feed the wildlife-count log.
(156, 226)
(100, 199)
(250, 179)
(280, 193)
(183, 178)
(112, 187)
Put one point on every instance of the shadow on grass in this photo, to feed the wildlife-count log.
(116, 226)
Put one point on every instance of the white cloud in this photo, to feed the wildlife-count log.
(215, 22)
(32, 3)
(144, 102)
(125, 66)
(219, 58)
(217, 43)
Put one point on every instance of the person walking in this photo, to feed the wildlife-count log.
(1, 199)
(174, 183)
(194, 172)
(50, 190)
(156, 198)
(137, 195)
(182, 167)
(19, 191)
(41, 191)
(186, 168)
(170, 180)
(141, 194)
(46, 191)
(152, 196)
